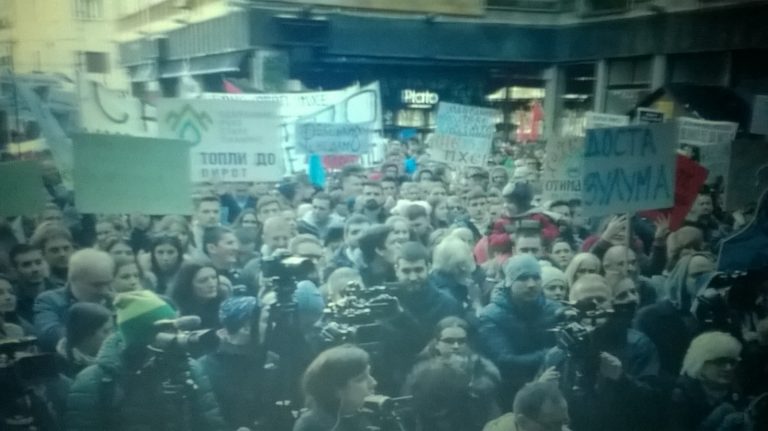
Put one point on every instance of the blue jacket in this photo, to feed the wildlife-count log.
(113, 395)
(51, 310)
(516, 337)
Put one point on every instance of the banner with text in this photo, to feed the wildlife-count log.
(117, 174)
(562, 169)
(463, 135)
(332, 138)
(713, 140)
(233, 140)
(354, 105)
(596, 120)
(628, 169)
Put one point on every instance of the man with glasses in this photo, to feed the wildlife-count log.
(516, 328)
(539, 406)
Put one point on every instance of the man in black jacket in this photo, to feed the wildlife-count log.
(236, 368)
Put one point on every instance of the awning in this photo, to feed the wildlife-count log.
(143, 72)
(214, 63)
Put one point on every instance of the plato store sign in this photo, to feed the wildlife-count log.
(419, 99)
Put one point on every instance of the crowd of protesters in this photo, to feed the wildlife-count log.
(503, 311)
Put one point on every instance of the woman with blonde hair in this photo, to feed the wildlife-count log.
(705, 393)
(452, 266)
(581, 264)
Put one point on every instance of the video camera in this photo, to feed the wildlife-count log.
(180, 337)
(20, 368)
(384, 413)
(356, 317)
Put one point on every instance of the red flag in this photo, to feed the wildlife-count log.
(689, 178)
(231, 88)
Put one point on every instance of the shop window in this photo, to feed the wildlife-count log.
(629, 71)
(89, 9)
(96, 62)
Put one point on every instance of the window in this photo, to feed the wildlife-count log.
(89, 9)
(96, 62)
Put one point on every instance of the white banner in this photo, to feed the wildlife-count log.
(233, 140)
(596, 120)
(701, 132)
(629, 169)
(355, 105)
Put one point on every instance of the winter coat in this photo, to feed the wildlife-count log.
(320, 420)
(450, 284)
(113, 395)
(629, 403)
(236, 376)
(51, 311)
(668, 323)
(692, 409)
(517, 336)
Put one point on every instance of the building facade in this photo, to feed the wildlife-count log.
(543, 63)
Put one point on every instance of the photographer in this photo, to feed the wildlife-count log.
(335, 386)
(236, 368)
(139, 385)
(607, 370)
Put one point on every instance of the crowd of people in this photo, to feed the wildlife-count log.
(410, 295)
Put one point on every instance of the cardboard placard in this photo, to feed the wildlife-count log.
(21, 189)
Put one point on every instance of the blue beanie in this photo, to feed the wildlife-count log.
(520, 265)
(236, 311)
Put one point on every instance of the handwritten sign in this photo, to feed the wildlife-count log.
(117, 174)
(332, 138)
(596, 120)
(463, 135)
(628, 169)
(689, 177)
(21, 189)
(562, 169)
(233, 140)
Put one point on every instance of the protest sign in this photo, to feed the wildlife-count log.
(562, 169)
(759, 124)
(628, 169)
(689, 177)
(596, 120)
(649, 116)
(332, 138)
(21, 190)
(233, 140)
(126, 174)
(356, 105)
(713, 140)
(463, 136)
(701, 132)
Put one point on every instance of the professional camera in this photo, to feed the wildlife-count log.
(286, 269)
(356, 317)
(20, 369)
(723, 295)
(384, 413)
(180, 337)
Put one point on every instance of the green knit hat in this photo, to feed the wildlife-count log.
(137, 312)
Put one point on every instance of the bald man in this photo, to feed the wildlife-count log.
(89, 280)
(620, 395)
(275, 235)
(620, 262)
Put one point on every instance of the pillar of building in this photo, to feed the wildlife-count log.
(658, 71)
(553, 99)
(601, 85)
